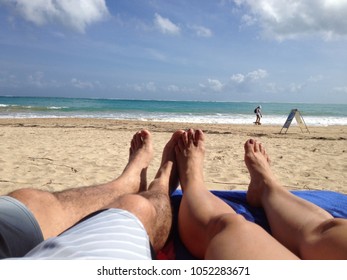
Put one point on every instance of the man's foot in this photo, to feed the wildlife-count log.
(258, 164)
(140, 156)
(190, 153)
(167, 173)
(159, 191)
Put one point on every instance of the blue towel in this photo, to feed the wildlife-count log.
(333, 202)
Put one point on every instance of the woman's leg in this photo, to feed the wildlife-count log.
(304, 228)
(208, 227)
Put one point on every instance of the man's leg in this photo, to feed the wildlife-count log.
(303, 227)
(55, 212)
(208, 227)
(153, 207)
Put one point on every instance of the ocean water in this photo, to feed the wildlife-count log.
(169, 111)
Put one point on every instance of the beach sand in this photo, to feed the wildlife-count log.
(55, 154)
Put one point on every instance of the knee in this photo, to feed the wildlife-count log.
(136, 204)
(22, 194)
(139, 206)
(221, 222)
(329, 237)
(330, 224)
(313, 235)
(33, 198)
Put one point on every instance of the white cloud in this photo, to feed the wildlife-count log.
(239, 81)
(165, 25)
(238, 78)
(150, 86)
(247, 82)
(248, 20)
(249, 77)
(144, 87)
(216, 85)
(81, 84)
(213, 84)
(315, 79)
(38, 79)
(173, 88)
(341, 89)
(286, 19)
(201, 31)
(76, 14)
(257, 74)
(273, 88)
(293, 87)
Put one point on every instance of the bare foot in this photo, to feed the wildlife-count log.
(258, 164)
(190, 153)
(140, 156)
(167, 174)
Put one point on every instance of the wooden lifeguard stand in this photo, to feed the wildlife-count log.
(299, 119)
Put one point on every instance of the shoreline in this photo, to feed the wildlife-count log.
(58, 153)
(160, 125)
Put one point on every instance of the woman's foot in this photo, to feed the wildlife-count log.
(190, 153)
(262, 178)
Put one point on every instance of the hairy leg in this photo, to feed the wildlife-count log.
(208, 227)
(58, 211)
(153, 207)
(306, 229)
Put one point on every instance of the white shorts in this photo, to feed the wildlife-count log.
(108, 234)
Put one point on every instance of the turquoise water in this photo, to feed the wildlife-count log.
(169, 111)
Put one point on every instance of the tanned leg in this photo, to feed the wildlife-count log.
(306, 229)
(153, 207)
(55, 212)
(208, 227)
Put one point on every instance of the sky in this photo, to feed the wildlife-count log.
(221, 50)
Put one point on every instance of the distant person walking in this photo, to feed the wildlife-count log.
(258, 114)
